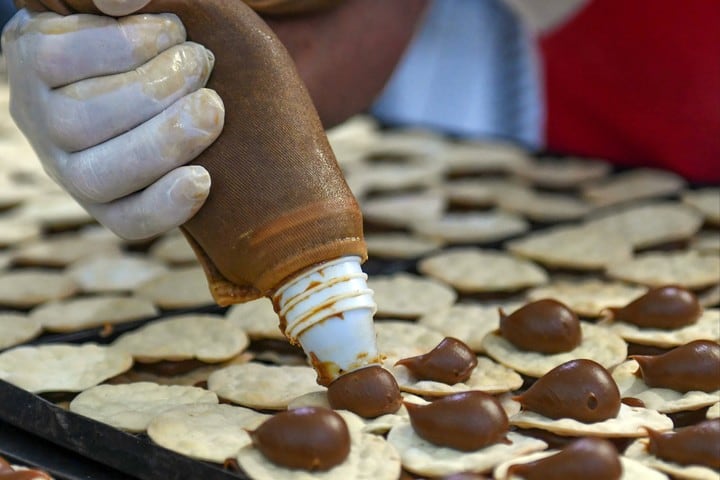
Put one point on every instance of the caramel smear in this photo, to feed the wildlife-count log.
(693, 366)
(695, 445)
(308, 438)
(545, 326)
(464, 421)
(668, 307)
(587, 459)
(369, 392)
(580, 389)
(450, 362)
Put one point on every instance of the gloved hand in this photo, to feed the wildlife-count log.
(115, 108)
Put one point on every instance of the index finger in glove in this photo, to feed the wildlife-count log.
(63, 50)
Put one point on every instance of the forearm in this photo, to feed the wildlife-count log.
(346, 55)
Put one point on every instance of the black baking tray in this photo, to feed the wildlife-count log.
(134, 455)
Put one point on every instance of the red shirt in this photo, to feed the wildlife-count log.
(638, 82)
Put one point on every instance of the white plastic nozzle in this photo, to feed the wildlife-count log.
(329, 311)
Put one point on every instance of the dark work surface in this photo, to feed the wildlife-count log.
(24, 449)
(134, 455)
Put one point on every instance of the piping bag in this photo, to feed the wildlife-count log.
(280, 220)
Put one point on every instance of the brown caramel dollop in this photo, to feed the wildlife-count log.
(450, 362)
(581, 389)
(369, 392)
(693, 366)
(7, 472)
(309, 438)
(464, 421)
(545, 326)
(666, 307)
(695, 445)
(587, 459)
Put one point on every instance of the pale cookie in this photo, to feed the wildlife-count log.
(638, 451)
(424, 458)
(371, 458)
(706, 242)
(264, 387)
(631, 469)
(473, 227)
(664, 400)
(130, 407)
(61, 368)
(205, 431)
(634, 185)
(397, 339)
(395, 177)
(16, 328)
(713, 411)
(655, 269)
(543, 207)
(15, 231)
(488, 377)
(62, 250)
(401, 210)
(706, 201)
(399, 245)
(208, 338)
(404, 144)
(257, 318)
(629, 422)
(478, 192)
(30, 287)
(563, 173)
(5, 260)
(468, 322)
(55, 211)
(588, 297)
(651, 224)
(173, 249)
(598, 343)
(573, 247)
(471, 270)
(190, 378)
(710, 297)
(13, 194)
(184, 287)
(707, 327)
(404, 295)
(87, 312)
(114, 274)
(484, 157)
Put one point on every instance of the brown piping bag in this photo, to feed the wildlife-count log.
(278, 203)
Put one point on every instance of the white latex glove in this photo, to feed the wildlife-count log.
(114, 108)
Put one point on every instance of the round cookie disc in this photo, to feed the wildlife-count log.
(62, 250)
(629, 422)
(588, 297)
(183, 287)
(655, 269)
(397, 339)
(205, 431)
(631, 469)
(468, 322)
(131, 406)
(635, 184)
(264, 387)
(87, 312)
(473, 227)
(424, 458)
(488, 377)
(30, 287)
(713, 411)
(563, 173)
(114, 274)
(664, 400)
(61, 368)
(598, 343)
(17, 328)
(257, 318)
(399, 245)
(208, 338)
(707, 327)
(706, 201)
(173, 249)
(15, 231)
(471, 270)
(638, 451)
(404, 295)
